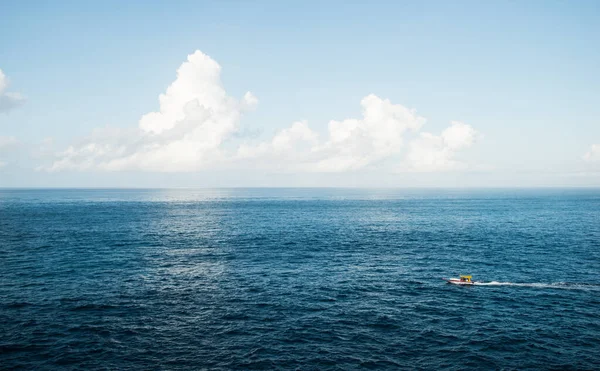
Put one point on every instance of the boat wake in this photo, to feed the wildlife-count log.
(555, 285)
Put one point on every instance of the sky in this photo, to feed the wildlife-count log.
(299, 94)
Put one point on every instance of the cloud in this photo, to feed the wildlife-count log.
(194, 119)
(7, 142)
(351, 144)
(8, 100)
(593, 155)
(431, 152)
(197, 127)
(356, 143)
(289, 150)
(284, 142)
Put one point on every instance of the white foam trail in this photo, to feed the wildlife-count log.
(556, 285)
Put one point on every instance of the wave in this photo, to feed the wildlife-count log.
(555, 285)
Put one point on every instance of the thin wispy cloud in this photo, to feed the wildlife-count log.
(8, 100)
(593, 155)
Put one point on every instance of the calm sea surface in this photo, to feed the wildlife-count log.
(299, 279)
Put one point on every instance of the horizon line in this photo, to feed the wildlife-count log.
(297, 187)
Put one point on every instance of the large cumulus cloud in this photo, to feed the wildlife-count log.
(196, 117)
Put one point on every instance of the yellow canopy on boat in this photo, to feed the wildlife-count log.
(463, 276)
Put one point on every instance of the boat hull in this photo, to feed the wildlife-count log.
(459, 282)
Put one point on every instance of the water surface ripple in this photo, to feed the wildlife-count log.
(305, 279)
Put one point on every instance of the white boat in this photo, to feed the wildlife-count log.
(462, 280)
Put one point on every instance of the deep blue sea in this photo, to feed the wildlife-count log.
(309, 279)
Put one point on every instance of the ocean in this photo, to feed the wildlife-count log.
(308, 279)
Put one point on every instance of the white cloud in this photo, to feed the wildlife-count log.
(354, 144)
(196, 117)
(8, 100)
(351, 144)
(593, 155)
(379, 134)
(289, 150)
(283, 143)
(431, 152)
(7, 142)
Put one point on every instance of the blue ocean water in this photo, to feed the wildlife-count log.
(299, 279)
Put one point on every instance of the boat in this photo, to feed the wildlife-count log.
(462, 280)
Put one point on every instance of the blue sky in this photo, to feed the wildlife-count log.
(520, 79)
